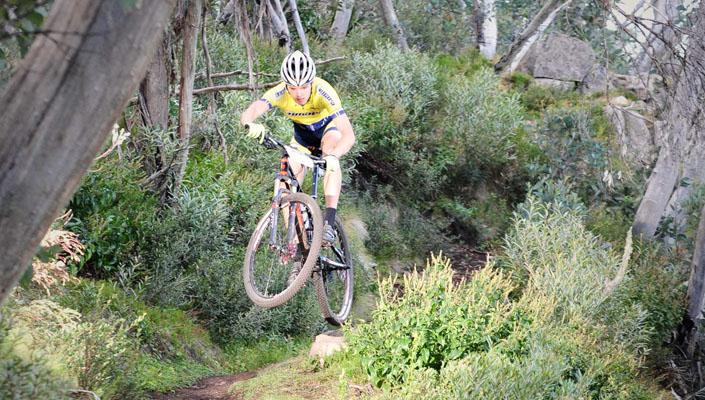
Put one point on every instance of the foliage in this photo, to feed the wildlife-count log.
(480, 125)
(546, 333)
(397, 231)
(432, 322)
(573, 151)
(26, 376)
(435, 26)
(111, 212)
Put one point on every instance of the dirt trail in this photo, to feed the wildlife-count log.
(215, 387)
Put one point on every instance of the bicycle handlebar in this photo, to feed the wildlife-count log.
(271, 142)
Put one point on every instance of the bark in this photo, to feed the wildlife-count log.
(662, 38)
(658, 191)
(212, 108)
(61, 105)
(154, 89)
(188, 73)
(390, 18)
(341, 21)
(485, 24)
(543, 18)
(227, 13)
(684, 126)
(280, 25)
(245, 35)
(696, 286)
(299, 27)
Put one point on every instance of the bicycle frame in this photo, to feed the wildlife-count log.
(288, 178)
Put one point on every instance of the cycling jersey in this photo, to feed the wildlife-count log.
(313, 119)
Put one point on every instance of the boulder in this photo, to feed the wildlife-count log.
(560, 57)
(637, 142)
(595, 81)
(554, 83)
(326, 344)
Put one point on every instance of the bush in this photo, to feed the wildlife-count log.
(432, 322)
(479, 123)
(542, 332)
(28, 376)
(111, 213)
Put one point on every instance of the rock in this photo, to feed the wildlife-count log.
(360, 229)
(619, 100)
(561, 57)
(326, 344)
(629, 83)
(595, 81)
(636, 140)
(554, 83)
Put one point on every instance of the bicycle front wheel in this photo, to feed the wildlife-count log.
(334, 280)
(275, 250)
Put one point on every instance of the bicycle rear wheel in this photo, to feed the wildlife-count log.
(270, 258)
(334, 279)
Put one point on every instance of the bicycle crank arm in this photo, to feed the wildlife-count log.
(333, 265)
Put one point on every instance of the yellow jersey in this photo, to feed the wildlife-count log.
(313, 119)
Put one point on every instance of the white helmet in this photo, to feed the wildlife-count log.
(298, 69)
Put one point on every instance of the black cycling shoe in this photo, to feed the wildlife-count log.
(328, 235)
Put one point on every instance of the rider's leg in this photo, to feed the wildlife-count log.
(332, 182)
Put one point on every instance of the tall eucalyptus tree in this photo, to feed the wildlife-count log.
(58, 109)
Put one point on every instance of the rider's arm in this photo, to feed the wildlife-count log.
(347, 139)
(255, 109)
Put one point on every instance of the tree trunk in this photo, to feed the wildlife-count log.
(485, 24)
(390, 18)
(154, 89)
(188, 73)
(684, 126)
(278, 20)
(299, 27)
(658, 190)
(696, 286)
(543, 18)
(341, 22)
(661, 39)
(58, 109)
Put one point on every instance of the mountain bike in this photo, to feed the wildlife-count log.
(289, 237)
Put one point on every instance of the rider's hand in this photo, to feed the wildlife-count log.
(332, 164)
(255, 131)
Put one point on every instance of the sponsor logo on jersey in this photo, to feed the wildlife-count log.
(301, 114)
(280, 93)
(326, 96)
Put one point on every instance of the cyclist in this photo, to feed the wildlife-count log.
(321, 126)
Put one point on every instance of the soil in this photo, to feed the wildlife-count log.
(213, 387)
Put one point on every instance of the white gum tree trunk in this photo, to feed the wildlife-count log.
(58, 109)
(485, 16)
(521, 44)
(685, 135)
(299, 27)
(390, 18)
(341, 21)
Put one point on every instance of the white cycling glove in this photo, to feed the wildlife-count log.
(255, 131)
(332, 164)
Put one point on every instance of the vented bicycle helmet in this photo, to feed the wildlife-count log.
(298, 69)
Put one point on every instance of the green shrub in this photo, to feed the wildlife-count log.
(28, 376)
(111, 213)
(546, 332)
(479, 123)
(432, 322)
(520, 79)
(573, 152)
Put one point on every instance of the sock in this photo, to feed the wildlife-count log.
(330, 216)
